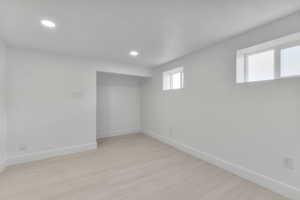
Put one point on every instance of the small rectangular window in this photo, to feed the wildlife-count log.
(176, 80)
(260, 66)
(290, 61)
(173, 79)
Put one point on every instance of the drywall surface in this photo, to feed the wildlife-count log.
(3, 74)
(118, 104)
(249, 127)
(119, 68)
(52, 103)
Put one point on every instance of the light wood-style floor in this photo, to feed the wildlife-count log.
(133, 167)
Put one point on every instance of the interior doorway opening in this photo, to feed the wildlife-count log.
(118, 104)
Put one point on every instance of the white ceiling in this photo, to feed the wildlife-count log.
(162, 30)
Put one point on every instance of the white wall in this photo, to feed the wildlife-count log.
(52, 103)
(120, 68)
(246, 128)
(3, 71)
(118, 104)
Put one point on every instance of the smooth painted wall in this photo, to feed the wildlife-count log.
(3, 107)
(254, 125)
(52, 102)
(118, 104)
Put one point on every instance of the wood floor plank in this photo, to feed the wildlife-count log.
(133, 167)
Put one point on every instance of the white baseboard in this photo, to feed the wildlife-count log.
(49, 153)
(260, 179)
(114, 133)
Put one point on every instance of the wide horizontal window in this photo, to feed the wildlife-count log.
(268, 61)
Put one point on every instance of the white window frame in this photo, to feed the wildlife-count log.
(168, 76)
(277, 45)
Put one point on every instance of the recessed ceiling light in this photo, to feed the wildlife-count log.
(134, 53)
(48, 24)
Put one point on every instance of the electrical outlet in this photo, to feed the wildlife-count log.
(22, 147)
(288, 163)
